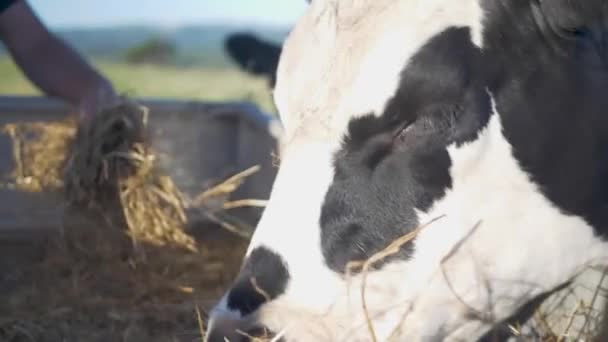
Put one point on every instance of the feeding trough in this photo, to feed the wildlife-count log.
(198, 145)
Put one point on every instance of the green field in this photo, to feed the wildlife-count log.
(160, 81)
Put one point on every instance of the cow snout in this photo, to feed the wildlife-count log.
(262, 279)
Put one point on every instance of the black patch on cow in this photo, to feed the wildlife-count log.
(550, 81)
(264, 269)
(254, 55)
(398, 162)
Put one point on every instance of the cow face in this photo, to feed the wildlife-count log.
(443, 130)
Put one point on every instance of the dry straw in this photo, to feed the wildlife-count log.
(111, 161)
(38, 165)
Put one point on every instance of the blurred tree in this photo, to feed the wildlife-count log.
(152, 51)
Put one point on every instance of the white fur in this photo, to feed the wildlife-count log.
(342, 60)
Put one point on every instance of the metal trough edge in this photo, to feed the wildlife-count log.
(24, 108)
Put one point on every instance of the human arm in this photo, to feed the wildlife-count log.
(49, 63)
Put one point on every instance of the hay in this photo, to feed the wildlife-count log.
(110, 161)
(576, 312)
(38, 166)
(95, 295)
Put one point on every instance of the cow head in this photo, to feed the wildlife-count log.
(468, 136)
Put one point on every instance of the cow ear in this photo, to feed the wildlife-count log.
(575, 19)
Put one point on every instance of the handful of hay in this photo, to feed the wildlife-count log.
(110, 163)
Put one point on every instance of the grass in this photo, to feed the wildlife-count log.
(206, 84)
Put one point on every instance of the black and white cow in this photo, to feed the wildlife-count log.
(483, 121)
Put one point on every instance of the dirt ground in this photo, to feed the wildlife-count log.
(56, 290)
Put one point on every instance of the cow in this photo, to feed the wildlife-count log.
(444, 164)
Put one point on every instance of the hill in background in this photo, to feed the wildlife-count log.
(200, 45)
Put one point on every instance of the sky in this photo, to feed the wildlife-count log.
(165, 13)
